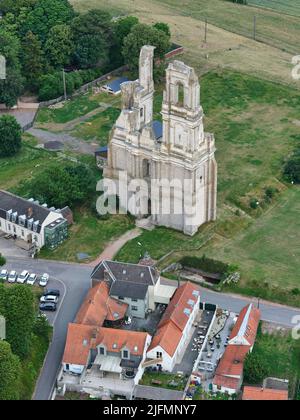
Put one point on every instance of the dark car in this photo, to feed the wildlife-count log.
(52, 292)
(48, 306)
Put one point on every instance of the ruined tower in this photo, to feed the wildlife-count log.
(177, 160)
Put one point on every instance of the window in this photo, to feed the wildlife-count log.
(159, 355)
(180, 101)
(125, 354)
(120, 298)
(67, 366)
(134, 300)
(134, 308)
(142, 112)
(102, 351)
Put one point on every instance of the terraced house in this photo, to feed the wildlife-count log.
(31, 223)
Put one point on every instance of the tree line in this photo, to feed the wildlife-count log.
(39, 38)
(18, 306)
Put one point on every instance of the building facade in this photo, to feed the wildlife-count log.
(34, 224)
(181, 155)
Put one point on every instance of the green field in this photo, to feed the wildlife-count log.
(291, 7)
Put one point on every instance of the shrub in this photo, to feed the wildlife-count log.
(206, 264)
(254, 203)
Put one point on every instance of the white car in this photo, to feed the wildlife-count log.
(49, 298)
(12, 277)
(3, 275)
(44, 280)
(22, 278)
(32, 279)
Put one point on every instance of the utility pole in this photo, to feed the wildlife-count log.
(205, 35)
(254, 28)
(65, 86)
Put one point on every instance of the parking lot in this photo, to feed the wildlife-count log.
(52, 284)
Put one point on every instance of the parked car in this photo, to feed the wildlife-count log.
(32, 279)
(44, 280)
(53, 292)
(49, 298)
(13, 275)
(48, 306)
(4, 275)
(22, 278)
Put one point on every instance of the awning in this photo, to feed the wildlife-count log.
(108, 363)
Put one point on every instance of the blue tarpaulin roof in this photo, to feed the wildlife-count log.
(115, 85)
(158, 129)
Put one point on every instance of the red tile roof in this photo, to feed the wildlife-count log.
(98, 306)
(168, 337)
(174, 320)
(82, 338)
(225, 382)
(264, 394)
(184, 299)
(246, 325)
(231, 367)
(232, 362)
(115, 340)
(77, 347)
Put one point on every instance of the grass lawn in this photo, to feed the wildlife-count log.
(26, 164)
(98, 127)
(74, 108)
(89, 235)
(291, 7)
(165, 379)
(277, 355)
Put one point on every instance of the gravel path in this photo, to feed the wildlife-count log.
(69, 142)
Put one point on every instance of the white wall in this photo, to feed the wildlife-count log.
(77, 369)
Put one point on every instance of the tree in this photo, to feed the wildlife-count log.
(11, 87)
(256, 368)
(10, 373)
(122, 28)
(45, 15)
(63, 186)
(20, 318)
(140, 35)
(2, 260)
(164, 27)
(292, 168)
(93, 36)
(10, 136)
(59, 46)
(32, 59)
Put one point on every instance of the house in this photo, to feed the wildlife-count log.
(102, 352)
(174, 328)
(252, 393)
(31, 223)
(100, 309)
(134, 284)
(114, 87)
(230, 371)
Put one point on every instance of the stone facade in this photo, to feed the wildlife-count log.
(183, 152)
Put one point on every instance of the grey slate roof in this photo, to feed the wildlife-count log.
(128, 280)
(156, 393)
(130, 290)
(20, 205)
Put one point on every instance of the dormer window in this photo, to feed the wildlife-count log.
(14, 217)
(125, 354)
(8, 215)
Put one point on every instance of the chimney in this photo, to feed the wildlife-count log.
(29, 213)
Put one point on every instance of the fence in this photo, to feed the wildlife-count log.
(85, 87)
